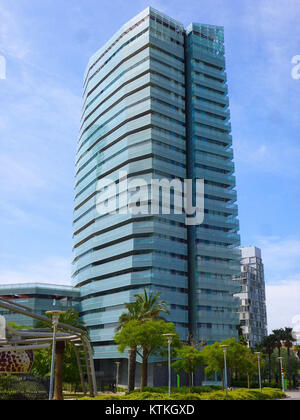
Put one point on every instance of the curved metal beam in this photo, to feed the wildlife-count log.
(80, 337)
(23, 348)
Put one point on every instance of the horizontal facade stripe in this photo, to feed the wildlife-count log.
(136, 64)
(156, 105)
(113, 42)
(124, 220)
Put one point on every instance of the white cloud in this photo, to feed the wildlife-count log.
(283, 303)
(281, 258)
(18, 176)
(270, 157)
(11, 40)
(271, 27)
(51, 270)
(14, 217)
(12, 214)
(266, 12)
(261, 152)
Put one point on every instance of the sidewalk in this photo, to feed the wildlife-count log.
(292, 395)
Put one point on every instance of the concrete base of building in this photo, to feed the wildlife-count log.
(106, 374)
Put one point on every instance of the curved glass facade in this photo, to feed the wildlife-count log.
(155, 106)
(213, 256)
(133, 120)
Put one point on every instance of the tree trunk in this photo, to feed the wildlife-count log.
(279, 365)
(190, 382)
(132, 369)
(289, 367)
(270, 379)
(58, 391)
(248, 379)
(144, 378)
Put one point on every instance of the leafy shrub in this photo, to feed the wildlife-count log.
(273, 393)
(103, 397)
(216, 395)
(5, 381)
(243, 383)
(158, 389)
(238, 394)
(146, 396)
(183, 390)
(273, 384)
(186, 397)
(18, 396)
(203, 389)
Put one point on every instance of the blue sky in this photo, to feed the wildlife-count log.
(47, 45)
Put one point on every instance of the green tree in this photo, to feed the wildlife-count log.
(42, 363)
(151, 305)
(279, 337)
(65, 357)
(133, 313)
(288, 344)
(17, 327)
(239, 358)
(294, 362)
(268, 346)
(146, 306)
(243, 340)
(189, 361)
(213, 357)
(148, 339)
(248, 364)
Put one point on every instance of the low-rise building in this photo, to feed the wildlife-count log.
(39, 298)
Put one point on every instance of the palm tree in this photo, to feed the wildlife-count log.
(288, 343)
(133, 313)
(146, 306)
(151, 305)
(279, 337)
(268, 346)
(70, 318)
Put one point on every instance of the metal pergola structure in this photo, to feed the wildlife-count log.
(35, 339)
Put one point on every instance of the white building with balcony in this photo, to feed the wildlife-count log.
(253, 314)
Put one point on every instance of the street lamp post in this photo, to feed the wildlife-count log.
(281, 370)
(225, 347)
(117, 376)
(259, 370)
(170, 339)
(55, 316)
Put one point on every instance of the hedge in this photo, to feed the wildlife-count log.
(238, 394)
(183, 390)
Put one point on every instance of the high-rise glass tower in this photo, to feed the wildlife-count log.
(213, 257)
(155, 106)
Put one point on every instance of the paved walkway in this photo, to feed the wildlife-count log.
(292, 395)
